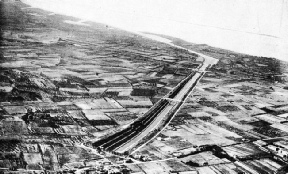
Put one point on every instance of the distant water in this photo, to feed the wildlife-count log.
(256, 27)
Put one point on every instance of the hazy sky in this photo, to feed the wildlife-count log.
(258, 27)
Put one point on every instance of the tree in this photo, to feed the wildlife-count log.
(62, 159)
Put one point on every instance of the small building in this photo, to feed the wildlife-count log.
(260, 143)
(279, 151)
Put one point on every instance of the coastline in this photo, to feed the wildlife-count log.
(238, 41)
(65, 84)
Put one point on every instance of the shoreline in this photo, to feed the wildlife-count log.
(68, 84)
(189, 40)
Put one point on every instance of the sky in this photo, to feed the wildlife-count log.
(255, 27)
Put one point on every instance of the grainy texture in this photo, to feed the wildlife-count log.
(66, 84)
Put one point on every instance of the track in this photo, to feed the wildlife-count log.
(119, 139)
(159, 116)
